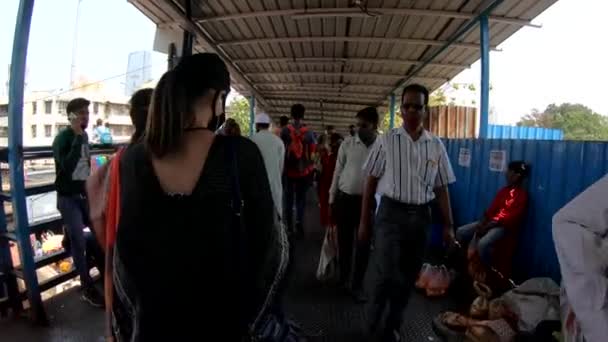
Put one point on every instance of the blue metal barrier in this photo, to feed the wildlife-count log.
(560, 170)
(22, 232)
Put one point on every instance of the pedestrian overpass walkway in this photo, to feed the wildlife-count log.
(325, 313)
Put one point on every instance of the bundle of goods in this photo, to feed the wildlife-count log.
(519, 311)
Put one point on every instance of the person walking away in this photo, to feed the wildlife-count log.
(412, 167)
(345, 200)
(99, 191)
(273, 152)
(211, 194)
(580, 232)
(72, 167)
(283, 122)
(503, 217)
(351, 130)
(97, 129)
(328, 158)
(300, 145)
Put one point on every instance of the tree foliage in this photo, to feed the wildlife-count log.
(238, 109)
(576, 120)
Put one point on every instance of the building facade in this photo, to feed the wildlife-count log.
(44, 115)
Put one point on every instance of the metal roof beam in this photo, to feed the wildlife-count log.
(319, 100)
(321, 86)
(353, 39)
(454, 37)
(174, 11)
(323, 60)
(350, 12)
(320, 94)
(339, 74)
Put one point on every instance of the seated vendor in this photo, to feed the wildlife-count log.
(504, 215)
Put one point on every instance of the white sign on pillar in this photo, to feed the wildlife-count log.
(464, 157)
(498, 160)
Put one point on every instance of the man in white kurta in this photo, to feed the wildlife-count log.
(580, 232)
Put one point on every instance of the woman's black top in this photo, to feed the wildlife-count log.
(177, 272)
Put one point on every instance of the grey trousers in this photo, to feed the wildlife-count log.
(400, 234)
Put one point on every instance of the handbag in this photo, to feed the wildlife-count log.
(328, 269)
(269, 325)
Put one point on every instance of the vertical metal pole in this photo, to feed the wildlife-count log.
(251, 114)
(188, 37)
(15, 156)
(391, 123)
(484, 108)
(75, 47)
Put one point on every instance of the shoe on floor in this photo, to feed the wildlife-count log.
(93, 297)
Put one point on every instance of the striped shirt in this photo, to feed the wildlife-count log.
(409, 170)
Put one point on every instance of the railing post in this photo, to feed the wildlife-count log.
(15, 156)
(251, 114)
(484, 108)
(391, 123)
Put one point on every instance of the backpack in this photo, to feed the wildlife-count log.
(298, 155)
(105, 137)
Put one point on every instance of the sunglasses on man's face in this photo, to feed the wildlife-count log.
(415, 106)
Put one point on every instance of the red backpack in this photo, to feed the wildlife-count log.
(298, 154)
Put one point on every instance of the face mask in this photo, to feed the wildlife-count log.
(218, 120)
(367, 135)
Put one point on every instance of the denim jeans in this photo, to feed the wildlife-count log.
(296, 188)
(398, 249)
(465, 234)
(74, 212)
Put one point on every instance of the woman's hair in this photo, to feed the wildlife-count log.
(140, 104)
(173, 100)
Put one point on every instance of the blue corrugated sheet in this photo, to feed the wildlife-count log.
(559, 171)
(521, 132)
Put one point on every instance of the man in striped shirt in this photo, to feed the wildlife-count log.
(409, 168)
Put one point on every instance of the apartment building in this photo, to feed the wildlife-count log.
(44, 115)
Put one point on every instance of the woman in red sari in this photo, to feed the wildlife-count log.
(328, 159)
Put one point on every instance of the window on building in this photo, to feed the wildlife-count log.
(95, 107)
(4, 110)
(61, 127)
(48, 107)
(61, 106)
(3, 132)
(48, 131)
(121, 130)
(34, 107)
(34, 131)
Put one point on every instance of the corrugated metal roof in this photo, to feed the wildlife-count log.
(311, 50)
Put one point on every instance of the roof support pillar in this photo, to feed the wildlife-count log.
(391, 123)
(251, 114)
(15, 156)
(188, 36)
(484, 108)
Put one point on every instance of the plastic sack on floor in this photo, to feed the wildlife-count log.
(328, 260)
(439, 282)
(534, 301)
(423, 277)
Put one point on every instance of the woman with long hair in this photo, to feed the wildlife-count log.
(99, 187)
(197, 227)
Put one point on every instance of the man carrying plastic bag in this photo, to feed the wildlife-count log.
(328, 261)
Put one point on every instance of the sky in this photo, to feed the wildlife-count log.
(564, 61)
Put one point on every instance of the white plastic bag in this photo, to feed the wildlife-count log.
(328, 260)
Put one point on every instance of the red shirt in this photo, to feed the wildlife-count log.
(508, 207)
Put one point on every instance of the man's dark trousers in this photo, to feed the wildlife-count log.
(347, 210)
(400, 234)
